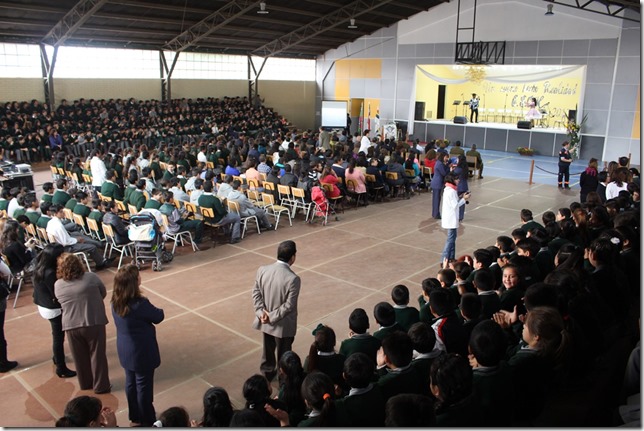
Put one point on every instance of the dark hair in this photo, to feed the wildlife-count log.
(530, 245)
(290, 366)
(548, 217)
(80, 412)
(324, 342)
(484, 280)
(440, 302)
(526, 215)
(518, 233)
(410, 410)
(46, 259)
(286, 250)
(359, 321)
(126, 289)
(488, 343)
(398, 348)
(540, 294)
(217, 409)
(318, 390)
(175, 417)
(400, 294)
(430, 284)
(358, 370)
(470, 305)
(256, 391)
(452, 375)
(462, 270)
(554, 340)
(422, 336)
(483, 256)
(384, 314)
(448, 275)
(506, 243)
(247, 418)
(603, 250)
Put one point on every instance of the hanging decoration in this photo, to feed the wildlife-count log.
(476, 73)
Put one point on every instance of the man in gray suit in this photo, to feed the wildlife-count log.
(275, 295)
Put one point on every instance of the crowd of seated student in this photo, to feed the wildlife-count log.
(32, 131)
(501, 338)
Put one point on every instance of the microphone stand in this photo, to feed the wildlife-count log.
(464, 104)
(505, 106)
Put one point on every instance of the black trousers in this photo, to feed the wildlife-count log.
(3, 342)
(269, 362)
(564, 174)
(58, 341)
(474, 112)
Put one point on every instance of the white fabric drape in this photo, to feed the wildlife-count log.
(412, 104)
(518, 77)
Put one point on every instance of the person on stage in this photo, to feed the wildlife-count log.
(533, 113)
(474, 107)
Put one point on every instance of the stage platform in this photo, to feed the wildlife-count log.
(505, 137)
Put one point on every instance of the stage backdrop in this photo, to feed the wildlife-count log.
(559, 88)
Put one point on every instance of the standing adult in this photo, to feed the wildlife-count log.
(136, 343)
(81, 295)
(449, 211)
(474, 108)
(99, 171)
(5, 364)
(365, 142)
(275, 295)
(348, 129)
(440, 170)
(588, 180)
(44, 278)
(565, 159)
(325, 139)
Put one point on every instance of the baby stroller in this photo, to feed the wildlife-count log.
(322, 206)
(149, 243)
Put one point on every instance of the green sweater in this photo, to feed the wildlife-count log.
(365, 343)
(406, 316)
(71, 204)
(137, 198)
(365, 409)
(383, 332)
(42, 221)
(83, 210)
(208, 200)
(153, 204)
(111, 190)
(60, 197)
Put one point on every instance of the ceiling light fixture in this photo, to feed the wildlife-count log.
(550, 12)
(262, 8)
(352, 23)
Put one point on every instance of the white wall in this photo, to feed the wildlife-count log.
(522, 20)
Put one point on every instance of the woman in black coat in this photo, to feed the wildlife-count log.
(44, 277)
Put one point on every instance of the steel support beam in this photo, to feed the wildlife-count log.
(48, 74)
(166, 75)
(72, 20)
(612, 9)
(211, 23)
(320, 25)
(253, 78)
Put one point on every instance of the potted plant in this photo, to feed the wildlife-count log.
(525, 151)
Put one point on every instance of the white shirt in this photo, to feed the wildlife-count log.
(201, 157)
(180, 194)
(612, 189)
(56, 229)
(98, 169)
(365, 143)
(12, 207)
(142, 163)
(194, 196)
(450, 204)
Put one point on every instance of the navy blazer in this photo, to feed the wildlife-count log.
(438, 179)
(136, 339)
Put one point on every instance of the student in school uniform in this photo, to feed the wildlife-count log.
(109, 188)
(82, 208)
(451, 385)
(385, 316)
(427, 286)
(364, 406)
(406, 315)
(470, 308)
(450, 334)
(322, 356)
(484, 284)
(399, 377)
(513, 291)
(155, 201)
(423, 340)
(359, 338)
(492, 378)
(136, 197)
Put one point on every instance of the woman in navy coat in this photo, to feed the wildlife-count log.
(438, 179)
(136, 343)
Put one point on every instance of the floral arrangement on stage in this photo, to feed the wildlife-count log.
(573, 128)
(525, 151)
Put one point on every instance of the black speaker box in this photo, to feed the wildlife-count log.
(419, 112)
(460, 120)
(524, 124)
